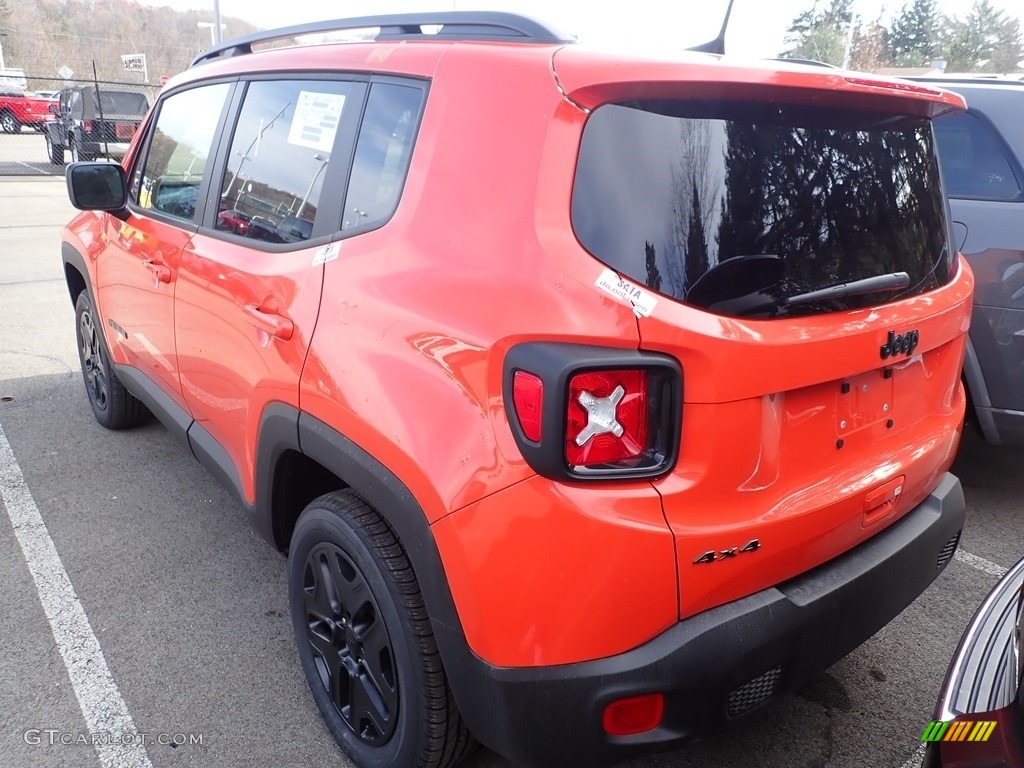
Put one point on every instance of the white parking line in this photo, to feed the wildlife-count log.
(983, 565)
(111, 727)
(31, 168)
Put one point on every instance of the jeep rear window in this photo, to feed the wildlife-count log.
(737, 207)
(120, 103)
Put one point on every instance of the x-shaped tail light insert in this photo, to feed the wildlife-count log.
(602, 415)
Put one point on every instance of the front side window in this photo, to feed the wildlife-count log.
(178, 152)
(750, 208)
(278, 159)
(976, 162)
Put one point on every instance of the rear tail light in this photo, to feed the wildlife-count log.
(593, 413)
(637, 714)
(87, 126)
(607, 417)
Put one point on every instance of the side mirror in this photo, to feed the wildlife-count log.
(97, 186)
(54, 109)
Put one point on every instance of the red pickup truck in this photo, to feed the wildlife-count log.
(17, 109)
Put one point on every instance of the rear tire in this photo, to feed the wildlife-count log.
(113, 406)
(56, 153)
(365, 641)
(9, 123)
(77, 154)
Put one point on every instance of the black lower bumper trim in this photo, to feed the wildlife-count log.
(730, 658)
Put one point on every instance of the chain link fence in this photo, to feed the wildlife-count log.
(41, 118)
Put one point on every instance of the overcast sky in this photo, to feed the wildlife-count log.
(757, 27)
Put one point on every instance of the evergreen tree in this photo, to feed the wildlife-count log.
(914, 36)
(987, 40)
(820, 33)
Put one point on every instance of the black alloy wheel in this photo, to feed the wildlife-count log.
(365, 641)
(94, 363)
(350, 644)
(113, 406)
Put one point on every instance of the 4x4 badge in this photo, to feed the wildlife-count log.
(904, 344)
(713, 555)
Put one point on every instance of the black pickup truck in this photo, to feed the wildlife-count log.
(92, 123)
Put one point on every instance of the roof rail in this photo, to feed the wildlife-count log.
(950, 80)
(454, 25)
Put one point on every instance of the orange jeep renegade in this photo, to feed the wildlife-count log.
(596, 400)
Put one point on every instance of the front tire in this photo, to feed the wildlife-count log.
(113, 406)
(365, 642)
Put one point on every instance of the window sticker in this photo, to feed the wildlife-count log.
(328, 253)
(642, 302)
(316, 119)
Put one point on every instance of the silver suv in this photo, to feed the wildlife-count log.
(982, 157)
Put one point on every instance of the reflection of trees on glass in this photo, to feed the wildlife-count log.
(696, 240)
(692, 192)
(653, 273)
(814, 196)
(836, 204)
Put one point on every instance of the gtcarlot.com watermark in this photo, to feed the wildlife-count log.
(54, 737)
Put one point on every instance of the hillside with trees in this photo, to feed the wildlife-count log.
(41, 36)
(985, 40)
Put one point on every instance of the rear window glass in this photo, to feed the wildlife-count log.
(746, 208)
(121, 103)
(975, 161)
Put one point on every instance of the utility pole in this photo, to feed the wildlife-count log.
(217, 26)
(2, 36)
(848, 49)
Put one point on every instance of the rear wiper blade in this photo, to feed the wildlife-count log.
(876, 284)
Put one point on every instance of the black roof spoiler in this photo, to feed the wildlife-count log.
(454, 25)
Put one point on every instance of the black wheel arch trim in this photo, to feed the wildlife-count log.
(396, 504)
(72, 257)
(284, 428)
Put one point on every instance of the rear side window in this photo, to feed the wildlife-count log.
(168, 179)
(976, 162)
(745, 209)
(382, 155)
(278, 158)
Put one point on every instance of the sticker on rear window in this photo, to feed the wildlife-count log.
(642, 302)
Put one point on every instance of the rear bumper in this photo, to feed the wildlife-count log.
(106, 148)
(715, 666)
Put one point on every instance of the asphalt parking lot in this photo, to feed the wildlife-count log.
(189, 610)
(25, 154)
